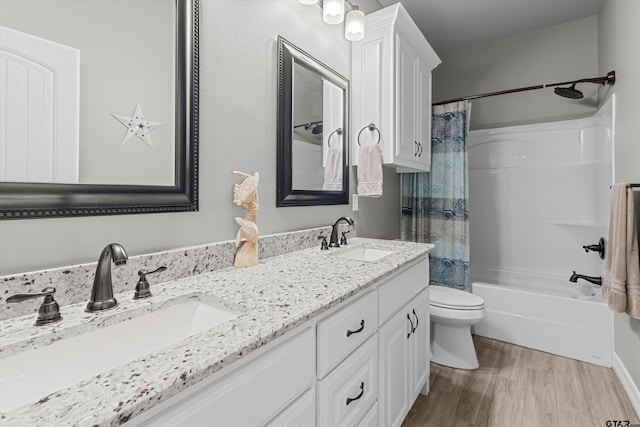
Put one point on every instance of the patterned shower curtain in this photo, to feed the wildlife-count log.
(434, 204)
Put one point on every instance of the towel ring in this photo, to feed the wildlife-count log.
(371, 127)
(338, 131)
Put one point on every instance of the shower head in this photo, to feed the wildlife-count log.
(317, 130)
(573, 93)
(569, 92)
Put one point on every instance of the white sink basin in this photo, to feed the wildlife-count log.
(28, 376)
(364, 253)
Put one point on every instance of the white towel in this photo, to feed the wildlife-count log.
(369, 171)
(621, 287)
(333, 171)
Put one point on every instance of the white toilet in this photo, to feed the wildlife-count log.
(453, 312)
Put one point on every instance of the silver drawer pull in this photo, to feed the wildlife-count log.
(360, 329)
(351, 399)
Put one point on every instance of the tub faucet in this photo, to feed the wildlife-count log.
(102, 292)
(333, 242)
(591, 279)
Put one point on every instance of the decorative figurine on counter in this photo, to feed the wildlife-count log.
(245, 195)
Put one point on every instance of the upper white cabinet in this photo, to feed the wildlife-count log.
(391, 90)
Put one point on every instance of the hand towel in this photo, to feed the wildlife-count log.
(369, 171)
(333, 171)
(621, 287)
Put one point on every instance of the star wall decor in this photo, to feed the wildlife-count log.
(137, 126)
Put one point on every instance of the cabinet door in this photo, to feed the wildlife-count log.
(418, 344)
(423, 115)
(394, 337)
(406, 95)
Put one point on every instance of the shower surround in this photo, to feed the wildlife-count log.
(537, 194)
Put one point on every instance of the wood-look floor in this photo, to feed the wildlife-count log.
(517, 386)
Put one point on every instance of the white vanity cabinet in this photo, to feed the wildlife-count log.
(360, 364)
(391, 89)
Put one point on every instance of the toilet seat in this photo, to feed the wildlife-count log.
(454, 299)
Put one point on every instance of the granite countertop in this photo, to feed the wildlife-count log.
(272, 298)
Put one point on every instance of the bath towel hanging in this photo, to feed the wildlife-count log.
(334, 163)
(370, 174)
(621, 288)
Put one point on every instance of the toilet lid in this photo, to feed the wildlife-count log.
(444, 297)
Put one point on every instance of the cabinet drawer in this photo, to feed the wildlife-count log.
(267, 384)
(302, 412)
(347, 394)
(399, 289)
(345, 330)
(371, 419)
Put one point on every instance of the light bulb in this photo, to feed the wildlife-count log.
(354, 27)
(308, 2)
(333, 11)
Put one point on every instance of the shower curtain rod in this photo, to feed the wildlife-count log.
(610, 78)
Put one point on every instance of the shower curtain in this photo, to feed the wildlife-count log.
(434, 204)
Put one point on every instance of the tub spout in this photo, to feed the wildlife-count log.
(591, 279)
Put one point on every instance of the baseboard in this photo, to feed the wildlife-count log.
(627, 383)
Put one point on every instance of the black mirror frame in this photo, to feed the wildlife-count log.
(37, 200)
(285, 194)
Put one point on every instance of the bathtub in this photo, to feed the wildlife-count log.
(567, 320)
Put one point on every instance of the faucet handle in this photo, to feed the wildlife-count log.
(49, 310)
(343, 239)
(142, 287)
(324, 246)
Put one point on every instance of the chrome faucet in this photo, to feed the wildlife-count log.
(102, 292)
(333, 242)
(591, 279)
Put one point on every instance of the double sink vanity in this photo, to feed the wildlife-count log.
(307, 337)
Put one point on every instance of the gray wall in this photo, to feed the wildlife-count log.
(618, 46)
(238, 98)
(554, 54)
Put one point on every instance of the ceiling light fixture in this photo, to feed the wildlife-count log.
(354, 25)
(333, 11)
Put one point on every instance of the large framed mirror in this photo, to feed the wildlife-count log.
(130, 123)
(313, 123)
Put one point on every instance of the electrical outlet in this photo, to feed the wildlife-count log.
(354, 203)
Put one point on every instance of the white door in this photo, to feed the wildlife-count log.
(39, 109)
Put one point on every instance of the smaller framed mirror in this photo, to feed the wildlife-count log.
(313, 123)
